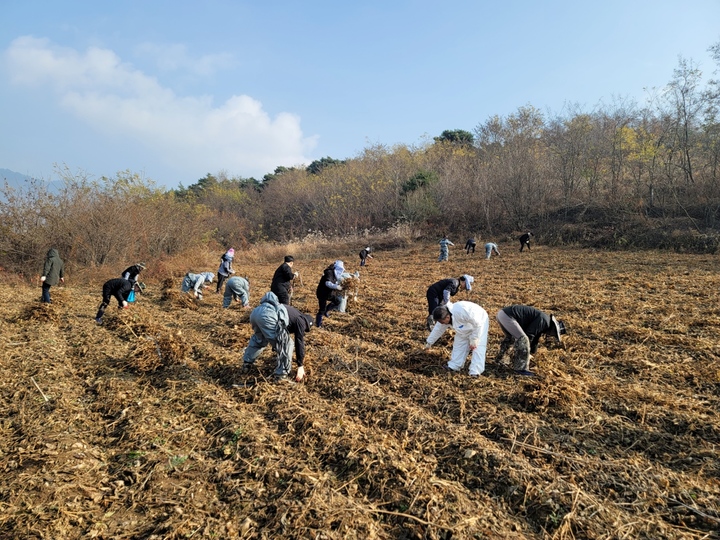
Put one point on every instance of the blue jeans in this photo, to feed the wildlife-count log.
(45, 294)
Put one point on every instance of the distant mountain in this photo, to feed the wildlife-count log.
(14, 179)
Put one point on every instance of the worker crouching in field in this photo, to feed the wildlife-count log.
(272, 323)
(120, 289)
(131, 273)
(365, 255)
(237, 289)
(524, 325)
(471, 325)
(196, 283)
(327, 287)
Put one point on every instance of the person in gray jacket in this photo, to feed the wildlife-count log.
(272, 323)
(238, 289)
(53, 273)
(196, 283)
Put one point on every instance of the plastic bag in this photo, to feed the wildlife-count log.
(131, 296)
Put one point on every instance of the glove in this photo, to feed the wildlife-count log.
(296, 274)
(42, 278)
(125, 304)
(300, 374)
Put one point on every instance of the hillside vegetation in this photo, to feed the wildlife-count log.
(145, 427)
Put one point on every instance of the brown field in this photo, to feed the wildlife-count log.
(135, 430)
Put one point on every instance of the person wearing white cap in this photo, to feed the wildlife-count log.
(439, 293)
(524, 325)
(196, 283)
(326, 290)
(471, 324)
(364, 255)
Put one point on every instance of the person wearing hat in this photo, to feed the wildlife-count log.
(52, 274)
(524, 325)
(282, 280)
(237, 289)
(470, 246)
(196, 283)
(119, 288)
(439, 293)
(226, 268)
(131, 273)
(327, 290)
(471, 324)
(272, 323)
(444, 245)
(525, 241)
(364, 255)
(489, 248)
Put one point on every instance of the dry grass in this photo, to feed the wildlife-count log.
(145, 427)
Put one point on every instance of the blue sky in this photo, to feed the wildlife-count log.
(174, 90)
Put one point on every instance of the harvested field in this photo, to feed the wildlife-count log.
(146, 428)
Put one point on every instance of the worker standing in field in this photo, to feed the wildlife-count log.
(444, 251)
(196, 283)
(524, 325)
(237, 289)
(282, 280)
(131, 273)
(471, 324)
(439, 293)
(52, 274)
(525, 241)
(489, 248)
(470, 246)
(225, 270)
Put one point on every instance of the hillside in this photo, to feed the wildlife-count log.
(618, 438)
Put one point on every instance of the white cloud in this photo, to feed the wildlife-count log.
(113, 97)
(176, 57)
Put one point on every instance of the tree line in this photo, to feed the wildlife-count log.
(613, 174)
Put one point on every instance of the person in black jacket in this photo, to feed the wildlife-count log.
(524, 325)
(470, 246)
(525, 241)
(282, 280)
(439, 293)
(364, 255)
(326, 290)
(299, 325)
(131, 273)
(118, 288)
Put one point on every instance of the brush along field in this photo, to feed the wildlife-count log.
(145, 427)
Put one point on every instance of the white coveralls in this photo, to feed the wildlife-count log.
(471, 325)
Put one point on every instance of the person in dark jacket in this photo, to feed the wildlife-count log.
(470, 246)
(53, 273)
(525, 241)
(131, 273)
(365, 255)
(327, 290)
(272, 323)
(282, 280)
(524, 325)
(225, 270)
(118, 288)
(439, 293)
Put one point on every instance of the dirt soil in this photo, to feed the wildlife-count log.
(145, 427)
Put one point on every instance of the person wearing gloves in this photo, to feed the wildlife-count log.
(439, 293)
(120, 289)
(196, 283)
(282, 280)
(272, 323)
(131, 273)
(52, 274)
(365, 255)
(342, 295)
(524, 325)
(471, 325)
(238, 289)
(226, 268)
(444, 244)
(525, 241)
(489, 248)
(326, 290)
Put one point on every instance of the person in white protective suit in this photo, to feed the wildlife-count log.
(471, 325)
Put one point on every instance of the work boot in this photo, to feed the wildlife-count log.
(318, 320)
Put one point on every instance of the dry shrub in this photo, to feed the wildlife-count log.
(41, 312)
(153, 352)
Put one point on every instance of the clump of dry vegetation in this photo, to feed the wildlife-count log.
(145, 427)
